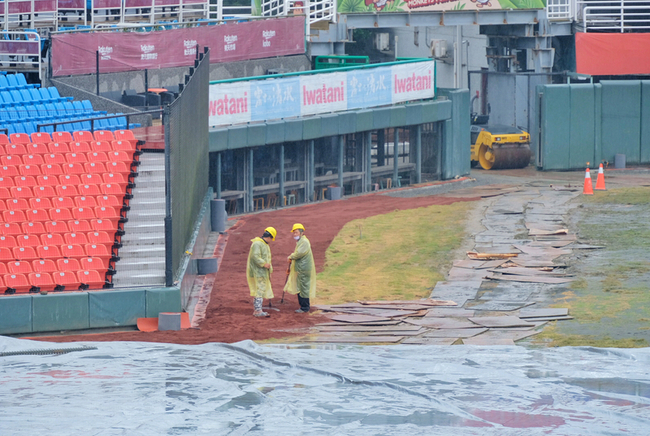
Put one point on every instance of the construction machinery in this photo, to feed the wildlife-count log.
(497, 146)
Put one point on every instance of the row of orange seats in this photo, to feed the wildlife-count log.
(117, 189)
(57, 281)
(65, 157)
(52, 184)
(64, 214)
(57, 239)
(53, 265)
(44, 148)
(57, 227)
(62, 168)
(44, 137)
(60, 202)
(71, 251)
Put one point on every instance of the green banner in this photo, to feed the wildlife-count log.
(359, 6)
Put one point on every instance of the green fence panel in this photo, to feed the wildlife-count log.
(555, 127)
(329, 125)
(347, 122)
(16, 314)
(116, 308)
(219, 140)
(293, 130)
(398, 116)
(621, 125)
(311, 128)
(381, 117)
(645, 123)
(582, 124)
(58, 312)
(456, 159)
(414, 114)
(238, 136)
(275, 132)
(162, 300)
(256, 135)
(364, 120)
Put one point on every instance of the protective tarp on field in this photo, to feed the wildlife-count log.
(219, 389)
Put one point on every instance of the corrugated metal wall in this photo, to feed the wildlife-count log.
(580, 123)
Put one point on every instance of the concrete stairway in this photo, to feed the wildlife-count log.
(142, 256)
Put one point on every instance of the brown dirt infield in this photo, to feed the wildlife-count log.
(229, 313)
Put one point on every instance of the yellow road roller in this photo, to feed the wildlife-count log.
(499, 147)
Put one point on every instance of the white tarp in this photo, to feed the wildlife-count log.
(130, 388)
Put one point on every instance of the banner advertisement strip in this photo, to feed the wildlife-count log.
(397, 6)
(74, 54)
(610, 54)
(294, 96)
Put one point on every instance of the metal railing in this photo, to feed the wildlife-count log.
(21, 49)
(560, 10)
(624, 16)
(315, 10)
(40, 127)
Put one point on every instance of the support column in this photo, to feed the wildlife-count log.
(418, 153)
(381, 147)
(396, 158)
(367, 136)
(251, 181)
(312, 172)
(340, 169)
(219, 175)
(281, 176)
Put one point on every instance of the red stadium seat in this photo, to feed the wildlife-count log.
(76, 158)
(100, 238)
(9, 171)
(109, 200)
(101, 147)
(19, 267)
(5, 193)
(40, 202)
(44, 192)
(58, 147)
(67, 280)
(25, 180)
(62, 137)
(79, 147)
(104, 225)
(63, 202)
(16, 283)
(111, 189)
(19, 138)
(44, 266)
(20, 192)
(33, 159)
(3, 205)
(28, 241)
(118, 167)
(17, 204)
(35, 215)
(116, 178)
(6, 182)
(90, 190)
(60, 215)
(109, 213)
(68, 265)
(15, 148)
(82, 135)
(4, 270)
(95, 168)
(70, 179)
(11, 160)
(56, 227)
(92, 263)
(52, 239)
(54, 158)
(73, 168)
(31, 228)
(67, 191)
(7, 241)
(103, 135)
(73, 251)
(75, 238)
(125, 135)
(51, 252)
(83, 213)
(100, 252)
(11, 229)
(80, 226)
(29, 170)
(4, 139)
(128, 147)
(40, 137)
(7, 255)
(47, 180)
(120, 156)
(37, 148)
(91, 179)
(82, 201)
(52, 170)
(42, 280)
(90, 279)
(14, 216)
(25, 253)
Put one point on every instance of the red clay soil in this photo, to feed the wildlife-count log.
(229, 313)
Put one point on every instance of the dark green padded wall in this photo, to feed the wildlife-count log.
(116, 308)
(555, 127)
(55, 312)
(16, 314)
(582, 126)
(621, 120)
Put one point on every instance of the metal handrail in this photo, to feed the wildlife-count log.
(617, 18)
(105, 117)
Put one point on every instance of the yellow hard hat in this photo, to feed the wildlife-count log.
(297, 226)
(272, 232)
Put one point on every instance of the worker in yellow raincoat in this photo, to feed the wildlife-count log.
(259, 269)
(302, 276)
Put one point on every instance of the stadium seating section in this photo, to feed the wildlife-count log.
(23, 106)
(63, 203)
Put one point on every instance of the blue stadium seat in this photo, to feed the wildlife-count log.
(69, 108)
(24, 93)
(16, 96)
(4, 84)
(43, 112)
(20, 77)
(11, 80)
(36, 95)
(54, 94)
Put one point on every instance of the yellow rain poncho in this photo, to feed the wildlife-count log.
(259, 278)
(302, 278)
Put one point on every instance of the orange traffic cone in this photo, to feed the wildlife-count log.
(587, 190)
(600, 181)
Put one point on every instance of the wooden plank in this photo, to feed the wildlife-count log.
(490, 256)
(429, 341)
(526, 279)
(454, 333)
(552, 318)
(397, 333)
(367, 328)
(356, 318)
(482, 340)
(500, 321)
(427, 302)
(451, 311)
(382, 313)
(544, 312)
(442, 323)
(366, 323)
(478, 264)
(518, 271)
(353, 339)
